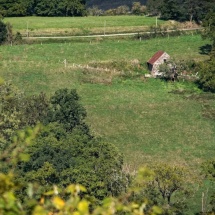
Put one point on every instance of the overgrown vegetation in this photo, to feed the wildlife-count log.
(6, 34)
(180, 10)
(42, 8)
(64, 152)
(3, 32)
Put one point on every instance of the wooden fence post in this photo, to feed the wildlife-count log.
(65, 63)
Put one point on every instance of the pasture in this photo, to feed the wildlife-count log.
(140, 116)
(81, 25)
(136, 115)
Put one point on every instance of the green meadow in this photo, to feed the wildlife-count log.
(138, 115)
(80, 25)
(142, 117)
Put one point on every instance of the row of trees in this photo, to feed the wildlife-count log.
(62, 8)
(42, 8)
(7, 36)
(136, 9)
(181, 10)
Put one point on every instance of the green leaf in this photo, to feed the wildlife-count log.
(83, 207)
(157, 210)
(58, 203)
(24, 157)
(39, 210)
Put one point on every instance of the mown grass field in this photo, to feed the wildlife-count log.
(140, 116)
(80, 25)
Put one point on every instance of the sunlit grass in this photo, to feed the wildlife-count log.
(80, 25)
(20, 23)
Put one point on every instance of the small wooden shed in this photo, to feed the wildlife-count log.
(155, 61)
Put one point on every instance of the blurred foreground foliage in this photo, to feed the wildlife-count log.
(69, 200)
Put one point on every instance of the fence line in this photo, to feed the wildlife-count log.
(54, 36)
(183, 76)
(74, 65)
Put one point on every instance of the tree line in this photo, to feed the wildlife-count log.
(42, 8)
(38, 162)
(180, 10)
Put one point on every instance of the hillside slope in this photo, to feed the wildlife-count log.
(108, 4)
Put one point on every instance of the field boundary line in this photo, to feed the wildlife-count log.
(74, 65)
(108, 35)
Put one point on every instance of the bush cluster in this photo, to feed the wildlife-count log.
(6, 34)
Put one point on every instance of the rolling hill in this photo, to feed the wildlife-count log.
(108, 4)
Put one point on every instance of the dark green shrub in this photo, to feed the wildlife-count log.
(206, 72)
(3, 32)
(18, 38)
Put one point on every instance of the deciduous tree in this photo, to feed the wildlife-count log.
(138, 9)
(18, 110)
(206, 72)
(168, 188)
(154, 7)
(66, 109)
(209, 172)
(170, 9)
(61, 158)
(209, 27)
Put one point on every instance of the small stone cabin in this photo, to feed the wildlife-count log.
(155, 61)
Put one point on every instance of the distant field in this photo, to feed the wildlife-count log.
(80, 25)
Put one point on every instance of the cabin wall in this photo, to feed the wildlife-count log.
(161, 60)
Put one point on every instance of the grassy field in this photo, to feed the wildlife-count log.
(43, 64)
(159, 123)
(140, 116)
(80, 25)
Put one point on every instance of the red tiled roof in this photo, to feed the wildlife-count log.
(155, 57)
